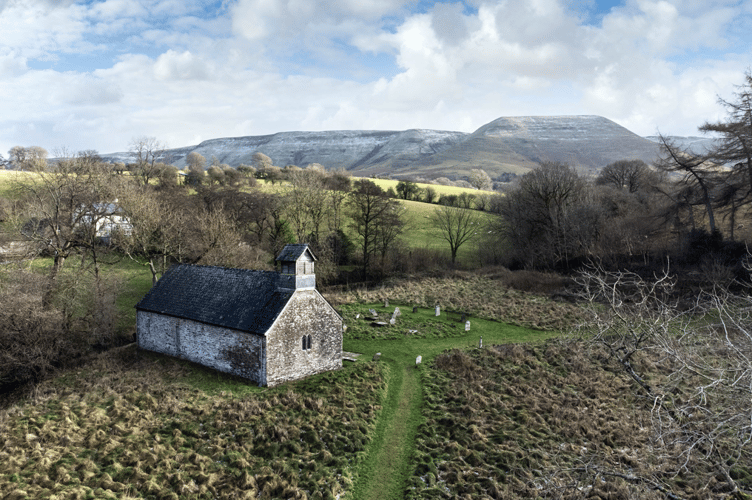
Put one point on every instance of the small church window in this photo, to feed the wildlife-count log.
(306, 342)
(309, 341)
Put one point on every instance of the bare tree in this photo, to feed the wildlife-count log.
(630, 175)
(261, 163)
(33, 158)
(147, 153)
(159, 228)
(369, 208)
(65, 206)
(456, 226)
(480, 180)
(538, 214)
(306, 202)
(701, 403)
(697, 173)
(339, 184)
(195, 160)
(735, 145)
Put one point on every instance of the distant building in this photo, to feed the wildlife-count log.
(108, 219)
(269, 327)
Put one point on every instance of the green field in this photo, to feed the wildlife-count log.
(385, 184)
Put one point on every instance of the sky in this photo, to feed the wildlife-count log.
(78, 75)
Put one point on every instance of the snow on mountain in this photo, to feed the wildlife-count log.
(507, 144)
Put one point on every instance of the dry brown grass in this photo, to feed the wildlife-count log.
(131, 424)
(542, 421)
(480, 295)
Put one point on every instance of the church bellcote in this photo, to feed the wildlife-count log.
(297, 268)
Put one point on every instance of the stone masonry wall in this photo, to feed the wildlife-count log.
(156, 332)
(307, 313)
(226, 350)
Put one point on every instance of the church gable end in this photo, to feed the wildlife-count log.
(305, 340)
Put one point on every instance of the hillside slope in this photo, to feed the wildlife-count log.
(507, 144)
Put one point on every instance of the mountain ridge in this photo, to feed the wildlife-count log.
(507, 144)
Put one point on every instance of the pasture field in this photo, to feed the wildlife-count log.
(419, 232)
(440, 189)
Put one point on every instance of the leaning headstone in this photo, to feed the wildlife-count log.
(386, 302)
(373, 312)
(344, 328)
(357, 316)
(418, 360)
(376, 356)
(412, 332)
(480, 342)
(438, 310)
(392, 321)
(396, 314)
(467, 326)
(415, 309)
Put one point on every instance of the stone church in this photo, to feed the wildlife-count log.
(269, 327)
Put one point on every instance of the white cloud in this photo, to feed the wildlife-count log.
(263, 66)
(172, 66)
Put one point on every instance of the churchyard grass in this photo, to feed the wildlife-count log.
(128, 425)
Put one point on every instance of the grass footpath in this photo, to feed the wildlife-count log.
(387, 468)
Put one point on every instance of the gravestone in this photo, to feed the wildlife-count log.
(344, 328)
(392, 321)
(386, 302)
(438, 310)
(480, 342)
(373, 313)
(467, 326)
(357, 316)
(418, 360)
(415, 309)
(396, 314)
(376, 356)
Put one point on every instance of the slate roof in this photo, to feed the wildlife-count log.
(232, 298)
(292, 252)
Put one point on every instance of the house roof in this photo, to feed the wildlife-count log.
(293, 252)
(232, 298)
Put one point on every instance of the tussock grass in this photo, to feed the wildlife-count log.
(138, 424)
(527, 420)
(478, 295)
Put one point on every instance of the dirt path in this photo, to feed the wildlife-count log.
(390, 456)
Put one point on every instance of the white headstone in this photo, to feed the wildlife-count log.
(357, 316)
(480, 342)
(396, 313)
(386, 302)
(438, 311)
(373, 312)
(467, 326)
(392, 321)
(418, 360)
